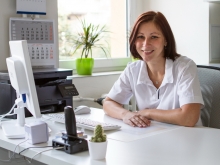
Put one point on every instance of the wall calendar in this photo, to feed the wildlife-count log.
(40, 38)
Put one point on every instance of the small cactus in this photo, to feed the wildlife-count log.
(99, 135)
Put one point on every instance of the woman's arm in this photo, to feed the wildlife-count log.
(116, 110)
(187, 115)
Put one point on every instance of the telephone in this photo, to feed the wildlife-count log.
(67, 90)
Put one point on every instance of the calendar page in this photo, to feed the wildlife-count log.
(40, 37)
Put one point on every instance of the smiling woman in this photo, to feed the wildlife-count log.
(165, 84)
(150, 42)
(111, 13)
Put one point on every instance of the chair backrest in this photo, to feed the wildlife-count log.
(209, 77)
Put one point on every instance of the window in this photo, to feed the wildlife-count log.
(111, 13)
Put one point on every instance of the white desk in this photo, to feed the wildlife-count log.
(167, 145)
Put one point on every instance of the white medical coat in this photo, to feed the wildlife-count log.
(180, 85)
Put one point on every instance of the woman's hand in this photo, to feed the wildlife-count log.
(116, 110)
(135, 120)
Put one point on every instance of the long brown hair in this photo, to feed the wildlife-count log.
(161, 22)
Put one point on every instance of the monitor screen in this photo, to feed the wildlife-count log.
(22, 80)
(26, 85)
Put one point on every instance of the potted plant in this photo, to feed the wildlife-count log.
(98, 144)
(88, 39)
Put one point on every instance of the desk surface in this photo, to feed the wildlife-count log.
(163, 144)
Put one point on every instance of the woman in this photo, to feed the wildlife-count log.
(164, 83)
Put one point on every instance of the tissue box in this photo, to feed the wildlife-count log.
(37, 132)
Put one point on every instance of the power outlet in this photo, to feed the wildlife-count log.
(37, 7)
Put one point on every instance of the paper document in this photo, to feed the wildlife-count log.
(128, 133)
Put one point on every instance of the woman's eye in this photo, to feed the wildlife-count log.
(141, 37)
(154, 37)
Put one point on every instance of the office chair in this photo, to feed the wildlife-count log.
(209, 77)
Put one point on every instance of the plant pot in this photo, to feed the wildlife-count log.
(84, 66)
(97, 150)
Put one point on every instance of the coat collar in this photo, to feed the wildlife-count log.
(143, 76)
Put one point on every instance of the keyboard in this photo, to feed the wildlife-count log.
(81, 122)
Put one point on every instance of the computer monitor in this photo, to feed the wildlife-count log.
(22, 80)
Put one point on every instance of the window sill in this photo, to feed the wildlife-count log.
(100, 65)
(98, 74)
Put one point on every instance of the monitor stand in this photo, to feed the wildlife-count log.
(15, 128)
(12, 131)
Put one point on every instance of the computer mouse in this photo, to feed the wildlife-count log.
(82, 109)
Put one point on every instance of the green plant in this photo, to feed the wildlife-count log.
(99, 135)
(89, 38)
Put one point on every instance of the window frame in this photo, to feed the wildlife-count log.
(105, 64)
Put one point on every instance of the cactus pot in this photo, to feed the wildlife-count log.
(97, 150)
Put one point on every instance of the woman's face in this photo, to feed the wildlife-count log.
(150, 42)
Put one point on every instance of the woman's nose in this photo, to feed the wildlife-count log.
(146, 42)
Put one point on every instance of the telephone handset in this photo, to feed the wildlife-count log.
(67, 90)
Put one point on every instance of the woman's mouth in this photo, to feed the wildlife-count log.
(147, 51)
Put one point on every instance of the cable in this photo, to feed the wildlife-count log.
(17, 146)
(27, 149)
(9, 111)
(13, 152)
(7, 114)
(99, 100)
(32, 147)
(45, 151)
(23, 151)
(82, 99)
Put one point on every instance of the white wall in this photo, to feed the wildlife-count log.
(7, 10)
(93, 87)
(189, 20)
